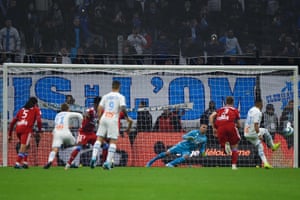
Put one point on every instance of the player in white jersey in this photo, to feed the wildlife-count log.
(62, 134)
(109, 109)
(254, 134)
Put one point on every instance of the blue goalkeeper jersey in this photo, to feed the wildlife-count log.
(192, 140)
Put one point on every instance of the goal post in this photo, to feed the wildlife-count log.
(163, 90)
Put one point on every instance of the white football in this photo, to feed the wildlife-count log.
(288, 130)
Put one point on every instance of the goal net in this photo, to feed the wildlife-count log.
(164, 102)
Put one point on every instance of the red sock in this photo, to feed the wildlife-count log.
(234, 156)
(20, 157)
(25, 157)
(73, 156)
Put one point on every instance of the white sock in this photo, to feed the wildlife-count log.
(111, 152)
(96, 149)
(261, 153)
(51, 156)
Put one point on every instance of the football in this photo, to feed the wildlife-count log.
(288, 130)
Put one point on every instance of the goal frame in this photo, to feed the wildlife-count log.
(166, 68)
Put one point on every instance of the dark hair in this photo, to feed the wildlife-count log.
(32, 101)
(258, 101)
(116, 84)
(72, 100)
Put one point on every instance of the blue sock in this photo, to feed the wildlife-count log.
(159, 156)
(177, 161)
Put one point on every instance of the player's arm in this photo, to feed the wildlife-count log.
(129, 121)
(39, 119)
(202, 149)
(11, 128)
(100, 112)
(238, 123)
(189, 136)
(211, 119)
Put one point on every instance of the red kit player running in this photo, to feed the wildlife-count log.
(225, 122)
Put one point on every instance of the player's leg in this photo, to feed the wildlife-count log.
(51, 157)
(234, 139)
(112, 148)
(159, 156)
(73, 155)
(184, 155)
(112, 135)
(56, 144)
(104, 147)
(22, 155)
(268, 138)
(101, 132)
(254, 139)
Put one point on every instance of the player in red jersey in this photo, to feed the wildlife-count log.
(24, 121)
(225, 122)
(87, 134)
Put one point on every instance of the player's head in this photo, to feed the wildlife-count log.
(203, 128)
(116, 85)
(70, 99)
(229, 100)
(64, 107)
(259, 103)
(270, 108)
(32, 101)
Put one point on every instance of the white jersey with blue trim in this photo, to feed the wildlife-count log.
(112, 103)
(63, 120)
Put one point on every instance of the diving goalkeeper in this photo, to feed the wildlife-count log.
(193, 144)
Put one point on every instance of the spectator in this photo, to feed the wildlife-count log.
(75, 37)
(288, 48)
(204, 118)
(10, 41)
(270, 120)
(287, 116)
(214, 50)
(231, 43)
(144, 119)
(169, 121)
(80, 57)
(161, 49)
(64, 54)
(137, 41)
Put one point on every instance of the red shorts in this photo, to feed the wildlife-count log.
(228, 134)
(84, 138)
(24, 137)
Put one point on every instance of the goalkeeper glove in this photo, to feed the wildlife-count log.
(190, 138)
(203, 154)
(195, 153)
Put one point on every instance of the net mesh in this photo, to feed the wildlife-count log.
(164, 103)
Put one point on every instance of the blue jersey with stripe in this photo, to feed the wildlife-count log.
(193, 140)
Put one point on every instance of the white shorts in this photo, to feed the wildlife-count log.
(62, 137)
(108, 128)
(253, 137)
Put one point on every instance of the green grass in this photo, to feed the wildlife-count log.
(149, 183)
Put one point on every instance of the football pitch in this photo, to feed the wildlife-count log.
(133, 183)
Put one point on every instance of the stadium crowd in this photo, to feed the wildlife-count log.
(150, 31)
